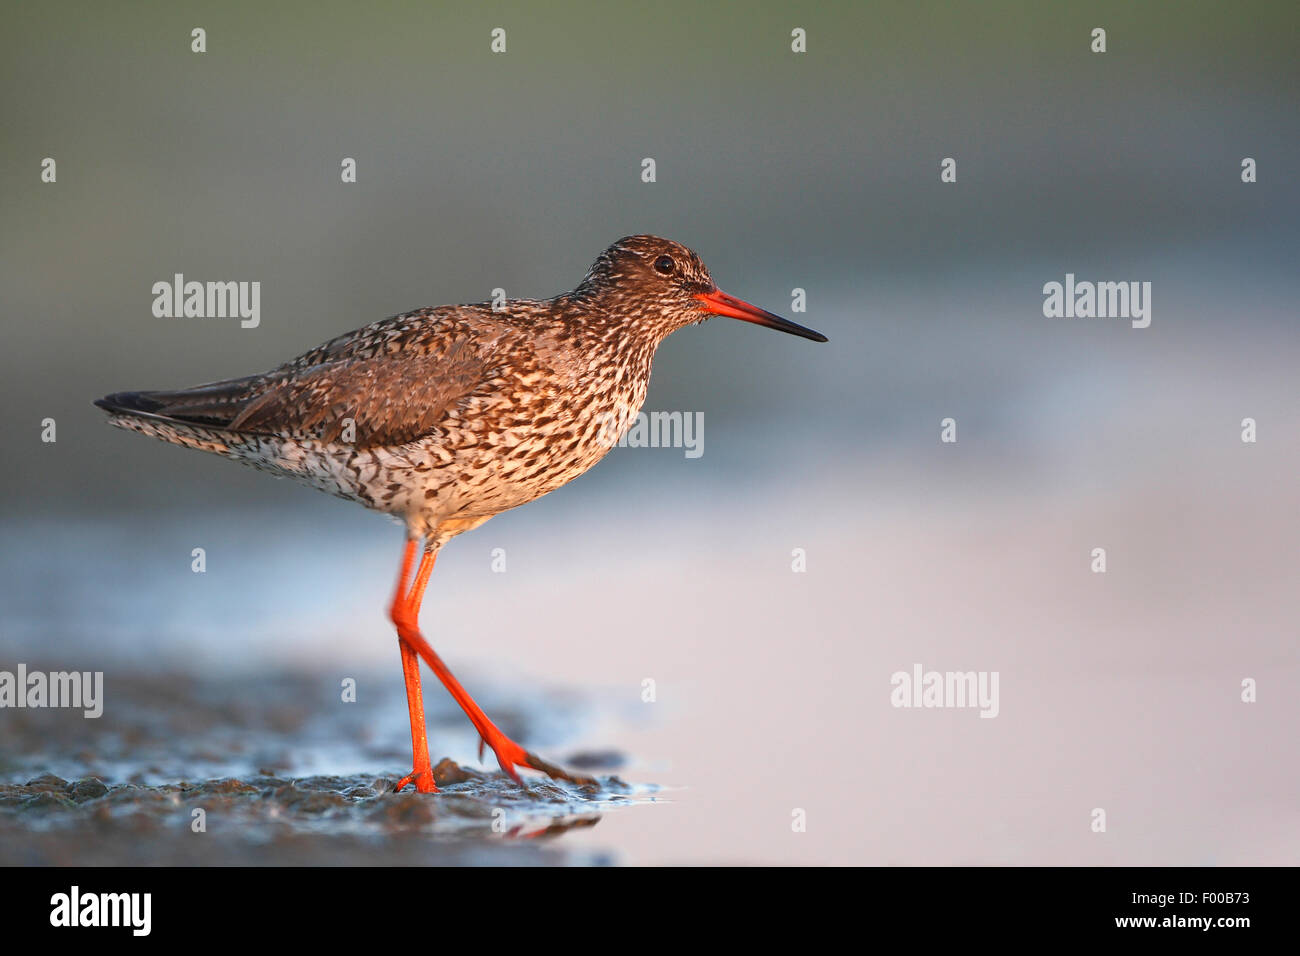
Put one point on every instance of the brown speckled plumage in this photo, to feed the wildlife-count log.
(444, 417)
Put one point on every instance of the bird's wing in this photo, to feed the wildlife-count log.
(395, 380)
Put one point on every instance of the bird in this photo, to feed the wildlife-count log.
(444, 417)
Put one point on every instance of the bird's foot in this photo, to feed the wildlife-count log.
(423, 780)
(510, 755)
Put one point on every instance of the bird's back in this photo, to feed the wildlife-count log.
(393, 380)
(450, 412)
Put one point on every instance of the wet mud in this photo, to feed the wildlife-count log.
(186, 772)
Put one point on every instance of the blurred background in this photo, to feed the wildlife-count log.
(818, 171)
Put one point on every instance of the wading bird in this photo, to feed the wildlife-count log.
(444, 417)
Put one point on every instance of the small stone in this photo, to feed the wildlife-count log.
(448, 772)
(47, 781)
(88, 788)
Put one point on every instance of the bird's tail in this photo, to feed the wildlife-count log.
(146, 413)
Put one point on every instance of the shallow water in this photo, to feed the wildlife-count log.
(133, 786)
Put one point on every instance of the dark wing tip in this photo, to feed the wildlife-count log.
(129, 402)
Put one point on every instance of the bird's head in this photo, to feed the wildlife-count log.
(662, 286)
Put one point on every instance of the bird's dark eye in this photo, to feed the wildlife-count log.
(664, 265)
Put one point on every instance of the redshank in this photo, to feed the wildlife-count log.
(444, 417)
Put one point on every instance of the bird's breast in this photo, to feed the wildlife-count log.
(535, 433)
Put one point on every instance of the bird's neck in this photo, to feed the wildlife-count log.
(616, 350)
(602, 326)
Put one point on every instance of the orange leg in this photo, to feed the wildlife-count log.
(422, 773)
(405, 614)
